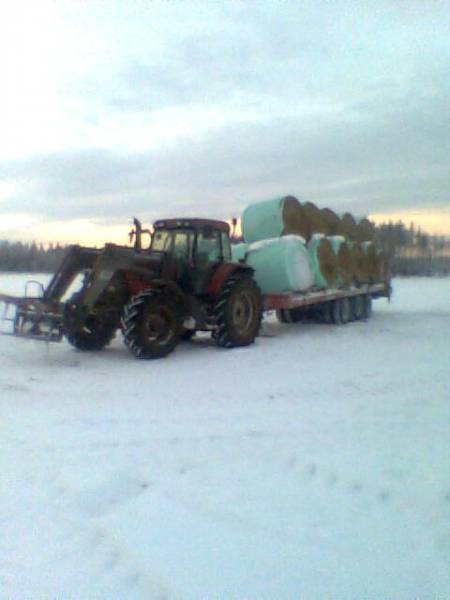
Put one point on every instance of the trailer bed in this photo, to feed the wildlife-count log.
(292, 300)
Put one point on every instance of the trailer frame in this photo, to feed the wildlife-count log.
(310, 298)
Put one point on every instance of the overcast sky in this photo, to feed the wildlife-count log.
(114, 109)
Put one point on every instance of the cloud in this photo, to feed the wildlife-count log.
(348, 108)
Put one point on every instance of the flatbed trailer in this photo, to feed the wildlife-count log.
(337, 305)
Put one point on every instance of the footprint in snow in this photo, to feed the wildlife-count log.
(108, 495)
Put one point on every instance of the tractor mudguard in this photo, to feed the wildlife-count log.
(172, 289)
(223, 272)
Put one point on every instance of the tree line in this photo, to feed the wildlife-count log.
(411, 252)
(30, 257)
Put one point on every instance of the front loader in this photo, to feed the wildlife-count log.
(185, 281)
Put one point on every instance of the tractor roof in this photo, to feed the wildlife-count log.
(184, 223)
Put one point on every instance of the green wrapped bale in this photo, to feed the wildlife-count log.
(238, 251)
(346, 267)
(323, 261)
(281, 264)
(274, 218)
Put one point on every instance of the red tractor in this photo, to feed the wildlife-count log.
(185, 281)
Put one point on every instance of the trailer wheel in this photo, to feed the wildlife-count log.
(324, 313)
(89, 333)
(238, 312)
(367, 312)
(345, 310)
(357, 304)
(289, 315)
(151, 325)
(187, 335)
(336, 312)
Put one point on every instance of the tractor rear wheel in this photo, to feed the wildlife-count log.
(89, 334)
(151, 325)
(238, 312)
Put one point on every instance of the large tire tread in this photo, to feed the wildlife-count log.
(133, 321)
(226, 335)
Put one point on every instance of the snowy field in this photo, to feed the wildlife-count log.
(312, 466)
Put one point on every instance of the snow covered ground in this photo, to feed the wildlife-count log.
(312, 466)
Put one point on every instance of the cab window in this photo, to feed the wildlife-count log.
(182, 244)
(208, 246)
(161, 241)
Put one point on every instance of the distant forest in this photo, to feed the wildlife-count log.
(411, 251)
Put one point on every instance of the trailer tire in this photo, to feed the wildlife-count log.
(346, 310)
(336, 312)
(357, 304)
(151, 324)
(367, 313)
(237, 312)
(187, 335)
(324, 313)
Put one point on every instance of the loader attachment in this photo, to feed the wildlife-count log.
(32, 318)
(41, 317)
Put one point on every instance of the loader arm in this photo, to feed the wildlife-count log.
(76, 259)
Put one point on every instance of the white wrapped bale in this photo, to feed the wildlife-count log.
(238, 251)
(281, 264)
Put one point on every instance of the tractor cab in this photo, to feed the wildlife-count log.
(197, 246)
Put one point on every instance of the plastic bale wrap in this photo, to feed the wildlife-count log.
(346, 267)
(323, 260)
(274, 218)
(238, 251)
(281, 264)
(373, 261)
(361, 272)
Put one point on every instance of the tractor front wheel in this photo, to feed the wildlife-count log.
(86, 333)
(151, 325)
(238, 312)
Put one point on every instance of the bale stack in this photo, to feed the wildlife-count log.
(345, 262)
(323, 261)
(348, 256)
(281, 264)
